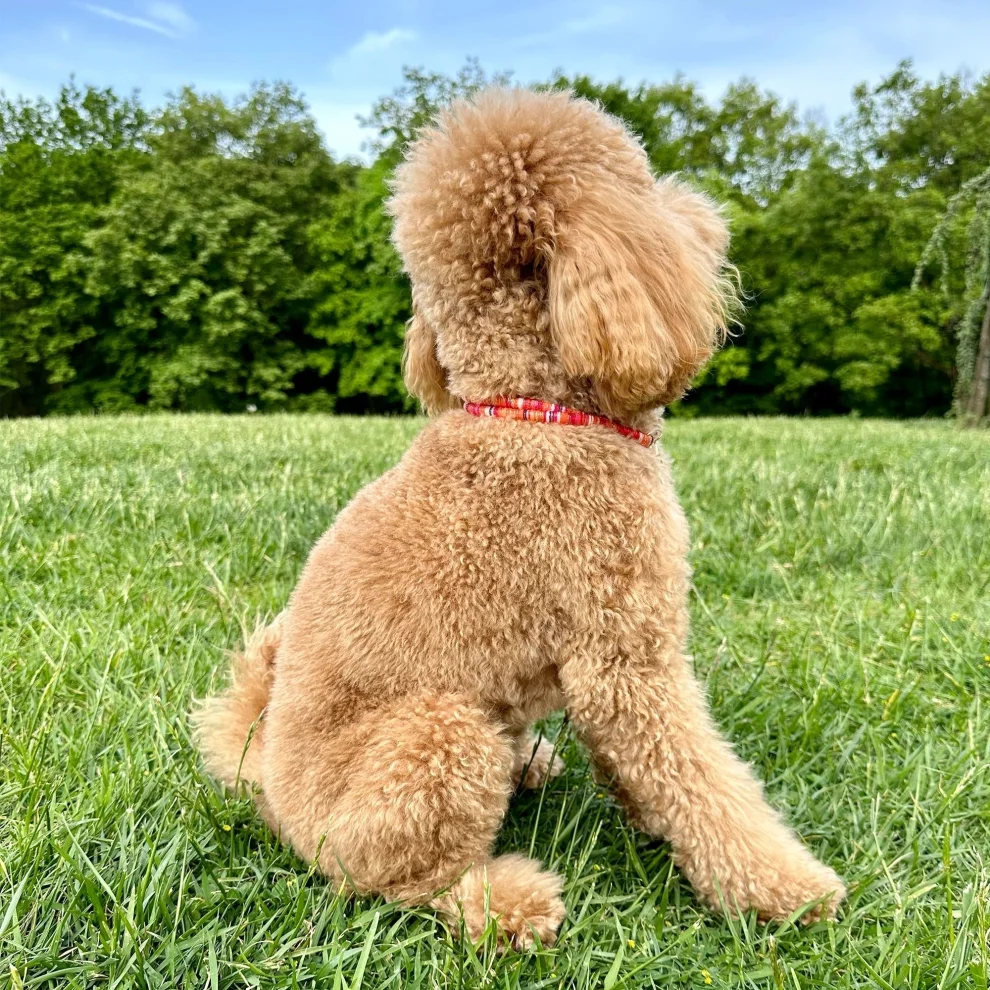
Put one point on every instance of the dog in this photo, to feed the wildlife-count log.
(528, 553)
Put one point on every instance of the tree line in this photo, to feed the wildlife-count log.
(211, 254)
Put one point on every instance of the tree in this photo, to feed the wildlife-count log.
(747, 148)
(202, 257)
(973, 353)
(832, 325)
(60, 165)
(211, 254)
(909, 134)
(399, 117)
(361, 300)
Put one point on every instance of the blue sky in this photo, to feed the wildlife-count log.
(343, 55)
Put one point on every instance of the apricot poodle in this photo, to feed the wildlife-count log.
(523, 557)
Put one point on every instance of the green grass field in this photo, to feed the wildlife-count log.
(841, 622)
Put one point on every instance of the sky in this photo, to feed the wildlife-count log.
(343, 55)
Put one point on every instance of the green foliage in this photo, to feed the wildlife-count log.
(912, 133)
(833, 324)
(361, 300)
(970, 207)
(212, 255)
(202, 257)
(398, 118)
(747, 148)
(840, 620)
(59, 168)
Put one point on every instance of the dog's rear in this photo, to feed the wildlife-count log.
(228, 727)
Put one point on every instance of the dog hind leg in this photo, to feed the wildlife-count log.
(427, 784)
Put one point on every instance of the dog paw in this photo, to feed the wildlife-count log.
(539, 920)
(814, 887)
(534, 768)
(523, 901)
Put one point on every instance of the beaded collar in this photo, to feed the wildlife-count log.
(539, 411)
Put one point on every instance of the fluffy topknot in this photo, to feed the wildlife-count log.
(547, 261)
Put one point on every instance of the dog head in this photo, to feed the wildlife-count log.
(547, 261)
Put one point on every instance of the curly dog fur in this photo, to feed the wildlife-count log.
(504, 570)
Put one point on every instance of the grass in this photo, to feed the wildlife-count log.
(841, 622)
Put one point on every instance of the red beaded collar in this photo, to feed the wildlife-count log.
(538, 411)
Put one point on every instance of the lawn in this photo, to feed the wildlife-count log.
(841, 623)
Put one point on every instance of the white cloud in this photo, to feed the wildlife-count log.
(379, 41)
(171, 14)
(168, 19)
(363, 63)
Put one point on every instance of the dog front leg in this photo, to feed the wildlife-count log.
(649, 728)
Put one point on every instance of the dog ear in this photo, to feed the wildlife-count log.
(422, 372)
(637, 296)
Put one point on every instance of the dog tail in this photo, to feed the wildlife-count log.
(229, 727)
